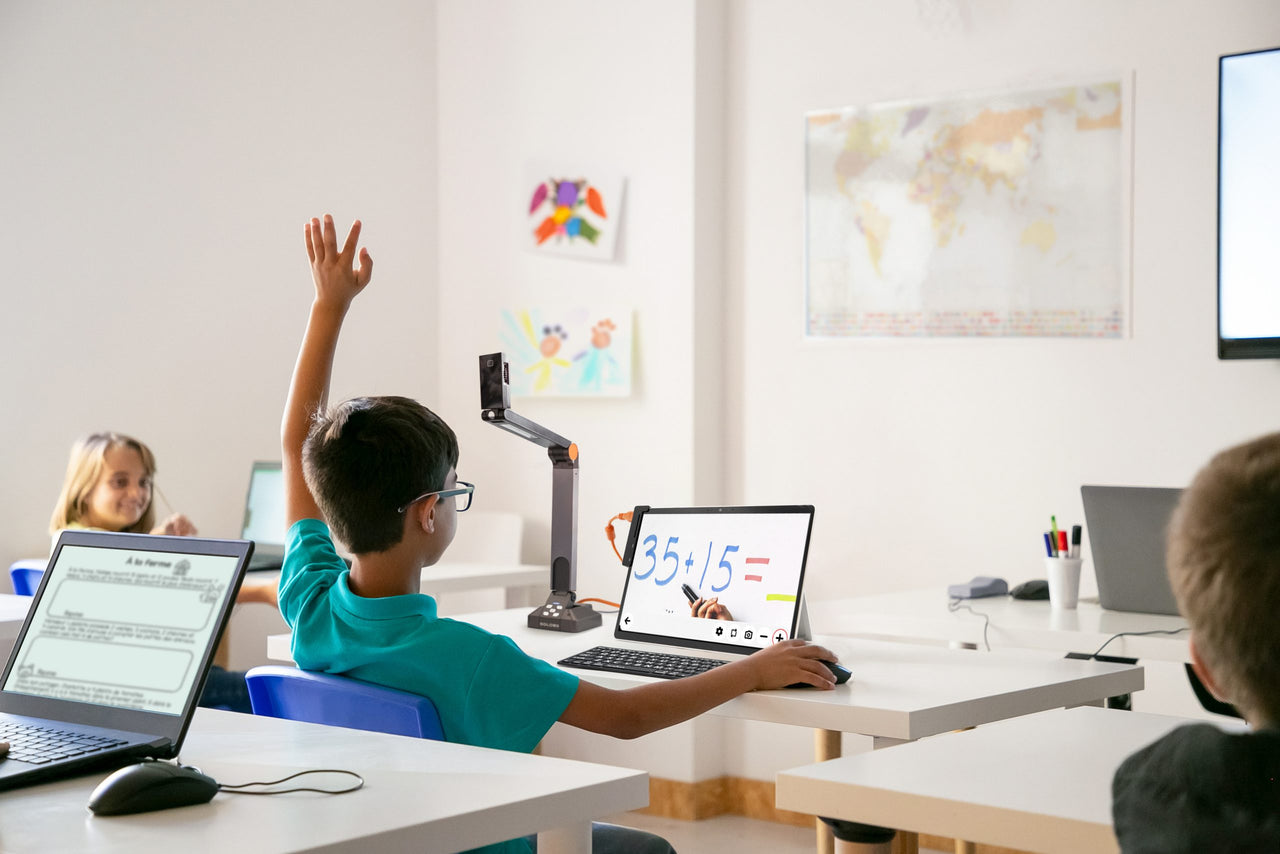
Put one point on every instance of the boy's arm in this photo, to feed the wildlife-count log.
(647, 708)
(337, 282)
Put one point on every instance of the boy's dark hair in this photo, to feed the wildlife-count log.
(370, 456)
(1224, 564)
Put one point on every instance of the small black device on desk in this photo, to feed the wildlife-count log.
(1036, 588)
(149, 786)
(839, 671)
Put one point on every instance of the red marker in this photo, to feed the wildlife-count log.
(1062, 543)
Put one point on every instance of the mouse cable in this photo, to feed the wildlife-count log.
(608, 531)
(1137, 634)
(240, 788)
(954, 605)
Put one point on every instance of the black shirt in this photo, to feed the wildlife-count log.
(1200, 789)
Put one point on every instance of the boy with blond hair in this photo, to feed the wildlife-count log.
(1201, 788)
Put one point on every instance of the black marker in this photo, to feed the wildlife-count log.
(690, 593)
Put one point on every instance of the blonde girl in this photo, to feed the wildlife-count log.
(109, 486)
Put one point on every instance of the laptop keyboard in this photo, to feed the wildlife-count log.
(663, 665)
(38, 745)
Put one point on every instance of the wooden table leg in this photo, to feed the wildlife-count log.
(963, 847)
(826, 745)
(905, 842)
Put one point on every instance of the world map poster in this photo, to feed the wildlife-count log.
(981, 215)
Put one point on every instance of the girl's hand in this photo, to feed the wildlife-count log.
(333, 270)
(262, 593)
(176, 525)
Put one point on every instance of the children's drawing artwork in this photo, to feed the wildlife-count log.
(574, 214)
(573, 352)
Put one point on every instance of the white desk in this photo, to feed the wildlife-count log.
(924, 615)
(1035, 783)
(424, 796)
(899, 692)
(453, 577)
(13, 612)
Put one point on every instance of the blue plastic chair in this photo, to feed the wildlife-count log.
(322, 698)
(25, 575)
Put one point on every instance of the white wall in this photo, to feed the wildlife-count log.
(931, 461)
(157, 163)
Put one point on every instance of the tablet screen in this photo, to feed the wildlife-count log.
(741, 569)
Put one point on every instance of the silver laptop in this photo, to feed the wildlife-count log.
(751, 559)
(114, 652)
(264, 518)
(1127, 526)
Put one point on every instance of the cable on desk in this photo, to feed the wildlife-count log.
(239, 788)
(235, 788)
(954, 605)
(608, 531)
(615, 605)
(1137, 634)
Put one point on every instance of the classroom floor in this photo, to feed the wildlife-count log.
(727, 833)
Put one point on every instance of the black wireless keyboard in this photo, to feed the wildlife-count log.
(663, 665)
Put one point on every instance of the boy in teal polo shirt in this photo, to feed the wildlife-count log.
(382, 472)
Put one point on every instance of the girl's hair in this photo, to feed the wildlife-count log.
(88, 456)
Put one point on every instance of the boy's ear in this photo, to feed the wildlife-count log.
(1202, 670)
(426, 514)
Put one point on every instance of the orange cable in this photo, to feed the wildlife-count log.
(601, 601)
(608, 531)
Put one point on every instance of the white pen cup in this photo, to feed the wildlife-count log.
(1064, 581)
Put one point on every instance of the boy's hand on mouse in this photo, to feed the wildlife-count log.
(333, 270)
(791, 661)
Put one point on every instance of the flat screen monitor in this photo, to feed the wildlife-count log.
(1249, 205)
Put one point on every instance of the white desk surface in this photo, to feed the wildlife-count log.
(423, 796)
(924, 615)
(452, 577)
(1035, 783)
(898, 691)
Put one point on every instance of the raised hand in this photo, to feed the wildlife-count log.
(334, 271)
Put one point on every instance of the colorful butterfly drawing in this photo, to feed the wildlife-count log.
(564, 199)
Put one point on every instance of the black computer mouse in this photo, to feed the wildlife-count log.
(1036, 588)
(151, 786)
(839, 671)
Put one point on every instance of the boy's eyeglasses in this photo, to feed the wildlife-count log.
(463, 494)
